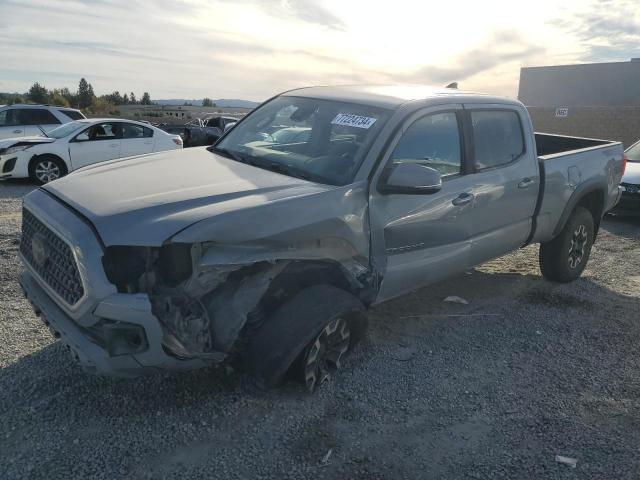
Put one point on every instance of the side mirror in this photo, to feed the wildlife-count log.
(410, 179)
(229, 126)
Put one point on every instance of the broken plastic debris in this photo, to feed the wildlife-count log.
(572, 462)
(325, 459)
(454, 299)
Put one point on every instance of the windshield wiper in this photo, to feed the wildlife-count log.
(226, 153)
(286, 169)
(265, 164)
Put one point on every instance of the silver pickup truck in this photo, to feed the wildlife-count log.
(269, 253)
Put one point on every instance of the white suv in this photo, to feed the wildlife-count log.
(33, 120)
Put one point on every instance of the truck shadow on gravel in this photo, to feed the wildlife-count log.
(624, 226)
(527, 370)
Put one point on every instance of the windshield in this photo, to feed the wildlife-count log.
(633, 154)
(320, 140)
(66, 129)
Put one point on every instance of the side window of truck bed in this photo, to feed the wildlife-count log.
(497, 137)
(434, 141)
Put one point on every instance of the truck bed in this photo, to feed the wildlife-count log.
(549, 145)
(570, 168)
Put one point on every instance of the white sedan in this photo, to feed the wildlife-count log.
(80, 143)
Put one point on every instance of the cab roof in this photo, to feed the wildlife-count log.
(393, 96)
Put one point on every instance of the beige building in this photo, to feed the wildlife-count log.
(598, 100)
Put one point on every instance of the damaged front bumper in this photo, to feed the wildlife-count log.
(131, 339)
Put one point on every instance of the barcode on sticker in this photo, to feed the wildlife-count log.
(349, 120)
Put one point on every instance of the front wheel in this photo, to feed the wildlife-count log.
(46, 168)
(564, 258)
(321, 358)
(306, 337)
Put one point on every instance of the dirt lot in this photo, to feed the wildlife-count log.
(494, 389)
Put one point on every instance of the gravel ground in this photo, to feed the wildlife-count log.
(494, 389)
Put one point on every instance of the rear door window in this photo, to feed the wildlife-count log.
(38, 116)
(214, 122)
(130, 130)
(497, 137)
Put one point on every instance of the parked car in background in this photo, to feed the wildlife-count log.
(629, 203)
(77, 144)
(31, 120)
(198, 132)
(273, 251)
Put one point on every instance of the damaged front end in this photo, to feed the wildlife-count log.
(189, 300)
(207, 298)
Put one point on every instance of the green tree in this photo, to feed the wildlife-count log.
(38, 93)
(146, 99)
(85, 94)
(101, 106)
(125, 99)
(132, 99)
(207, 102)
(71, 98)
(114, 98)
(56, 98)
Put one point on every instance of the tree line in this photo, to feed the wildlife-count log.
(84, 98)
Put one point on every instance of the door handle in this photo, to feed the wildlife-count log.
(17, 131)
(462, 199)
(525, 183)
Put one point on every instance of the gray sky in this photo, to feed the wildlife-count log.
(253, 49)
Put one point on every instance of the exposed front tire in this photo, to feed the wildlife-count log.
(564, 258)
(46, 168)
(306, 337)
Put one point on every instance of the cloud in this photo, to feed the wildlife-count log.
(606, 30)
(256, 48)
(502, 47)
(306, 10)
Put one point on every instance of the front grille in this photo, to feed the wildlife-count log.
(631, 188)
(51, 258)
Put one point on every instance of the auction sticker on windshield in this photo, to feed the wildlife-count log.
(349, 120)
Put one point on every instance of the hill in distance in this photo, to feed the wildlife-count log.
(221, 102)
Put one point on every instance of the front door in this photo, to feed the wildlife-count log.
(505, 178)
(97, 143)
(10, 126)
(425, 237)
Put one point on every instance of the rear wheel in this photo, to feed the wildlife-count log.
(46, 168)
(564, 258)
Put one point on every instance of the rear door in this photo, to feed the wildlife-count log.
(505, 179)
(97, 143)
(10, 125)
(38, 121)
(136, 140)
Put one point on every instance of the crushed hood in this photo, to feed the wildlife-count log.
(632, 173)
(12, 142)
(147, 199)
